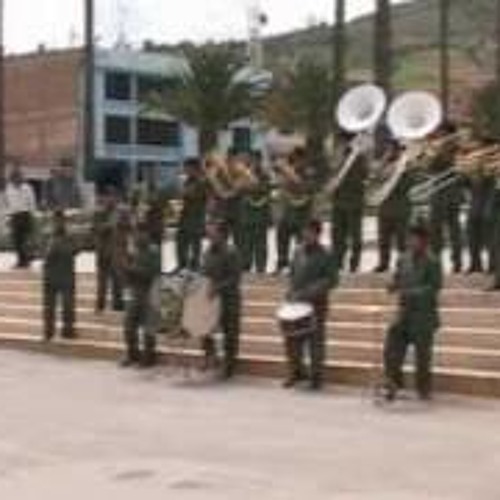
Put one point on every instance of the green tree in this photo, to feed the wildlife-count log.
(382, 44)
(214, 89)
(486, 111)
(303, 98)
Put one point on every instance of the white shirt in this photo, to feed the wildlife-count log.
(19, 198)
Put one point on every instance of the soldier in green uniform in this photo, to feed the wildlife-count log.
(256, 219)
(143, 269)
(394, 216)
(221, 265)
(103, 229)
(417, 282)
(445, 204)
(348, 208)
(192, 216)
(296, 198)
(313, 274)
(59, 279)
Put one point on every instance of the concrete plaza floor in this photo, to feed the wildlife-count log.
(88, 430)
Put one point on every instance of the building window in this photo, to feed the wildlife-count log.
(118, 86)
(158, 133)
(148, 86)
(117, 130)
(242, 139)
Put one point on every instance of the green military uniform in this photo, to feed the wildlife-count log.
(481, 189)
(393, 218)
(143, 270)
(59, 283)
(445, 208)
(104, 230)
(313, 274)
(222, 266)
(296, 207)
(255, 221)
(347, 214)
(494, 217)
(191, 223)
(418, 280)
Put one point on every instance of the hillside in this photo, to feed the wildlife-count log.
(415, 41)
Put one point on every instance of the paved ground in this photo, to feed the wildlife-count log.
(87, 430)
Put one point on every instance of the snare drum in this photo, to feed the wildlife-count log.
(296, 319)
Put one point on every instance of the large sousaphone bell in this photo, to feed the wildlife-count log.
(411, 117)
(358, 112)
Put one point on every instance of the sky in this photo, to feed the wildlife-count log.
(57, 23)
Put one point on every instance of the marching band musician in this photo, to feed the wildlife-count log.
(481, 186)
(394, 213)
(348, 206)
(104, 224)
(223, 175)
(221, 265)
(59, 278)
(256, 217)
(313, 274)
(494, 219)
(445, 204)
(417, 282)
(296, 180)
(143, 268)
(192, 217)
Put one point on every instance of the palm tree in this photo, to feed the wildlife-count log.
(382, 57)
(214, 89)
(444, 51)
(304, 102)
(338, 51)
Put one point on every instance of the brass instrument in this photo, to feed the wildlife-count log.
(291, 185)
(228, 179)
(358, 112)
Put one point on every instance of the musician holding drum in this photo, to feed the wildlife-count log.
(303, 317)
(221, 265)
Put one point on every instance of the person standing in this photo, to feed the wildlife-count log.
(59, 279)
(445, 204)
(348, 200)
(222, 266)
(481, 187)
(256, 218)
(313, 274)
(61, 190)
(21, 205)
(417, 282)
(394, 215)
(296, 180)
(142, 271)
(104, 226)
(192, 216)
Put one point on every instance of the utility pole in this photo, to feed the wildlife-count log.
(2, 96)
(338, 55)
(444, 51)
(89, 111)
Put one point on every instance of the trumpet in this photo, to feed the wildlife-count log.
(291, 185)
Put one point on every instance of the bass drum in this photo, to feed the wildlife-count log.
(201, 312)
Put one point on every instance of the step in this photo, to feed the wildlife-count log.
(338, 347)
(470, 382)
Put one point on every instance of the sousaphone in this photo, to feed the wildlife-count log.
(411, 117)
(358, 112)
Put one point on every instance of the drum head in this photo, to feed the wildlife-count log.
(294, 311)
(200, 312)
